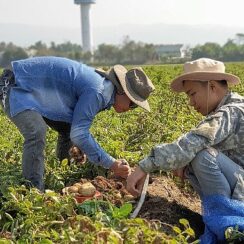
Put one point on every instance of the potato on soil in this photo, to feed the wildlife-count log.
(83, 180)
(129, 197)
(73, 189)
(78, 185)
(117, 194)
(87, 189)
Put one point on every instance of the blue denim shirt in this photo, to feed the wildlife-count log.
(64, 90)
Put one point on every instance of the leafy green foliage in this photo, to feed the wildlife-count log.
(233, 235)
(26, 216)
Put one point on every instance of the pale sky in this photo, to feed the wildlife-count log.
(112, 20)
(64, 13)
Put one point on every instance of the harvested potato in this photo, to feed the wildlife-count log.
(129, 197)
(87, 189)
(78, 185)
(117, 194)
(73, 189)
(82, 181)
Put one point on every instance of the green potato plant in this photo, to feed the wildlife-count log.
(27, 216)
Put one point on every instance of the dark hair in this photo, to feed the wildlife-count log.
(222, 83)
(133, 105)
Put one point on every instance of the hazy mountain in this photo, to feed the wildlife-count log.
(165, 33)
(25, 35)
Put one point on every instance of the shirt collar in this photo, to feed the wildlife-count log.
(112, 100)
(224, 100)
(109, 93)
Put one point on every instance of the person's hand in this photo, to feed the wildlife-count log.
(135, 182)
(121, 168)
(77, 155)
(180, 173)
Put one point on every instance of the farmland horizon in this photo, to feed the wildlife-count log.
(157, 33)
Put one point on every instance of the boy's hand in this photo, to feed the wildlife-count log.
(135, 181)
(180, 173)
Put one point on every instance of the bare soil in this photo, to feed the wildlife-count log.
(169, 201)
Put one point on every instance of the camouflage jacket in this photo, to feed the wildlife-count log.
(223, 130)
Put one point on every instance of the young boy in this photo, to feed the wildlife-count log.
(211, 155)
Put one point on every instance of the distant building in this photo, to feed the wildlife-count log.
(87, 38)
(31, 52)
(170, 50)
(239, 39)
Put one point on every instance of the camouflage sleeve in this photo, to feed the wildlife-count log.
(209, 132)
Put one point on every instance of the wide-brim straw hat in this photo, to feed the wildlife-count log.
(134, 83)
(203, 69)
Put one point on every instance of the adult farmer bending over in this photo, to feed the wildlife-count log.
(211, 155)
(67, 95)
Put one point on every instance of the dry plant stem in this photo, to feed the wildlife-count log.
(142, 198)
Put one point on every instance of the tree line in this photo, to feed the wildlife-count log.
(229, 52)
(128, 52)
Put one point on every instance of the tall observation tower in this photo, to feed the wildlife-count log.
(86, 33)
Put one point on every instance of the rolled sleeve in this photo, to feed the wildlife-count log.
(147, 164)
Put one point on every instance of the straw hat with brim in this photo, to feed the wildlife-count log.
(134, 82)
(110, 75)
(203, 69)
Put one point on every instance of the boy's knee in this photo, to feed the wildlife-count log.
(204, 158)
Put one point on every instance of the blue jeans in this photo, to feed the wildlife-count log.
(33, 127)
(212, 172)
